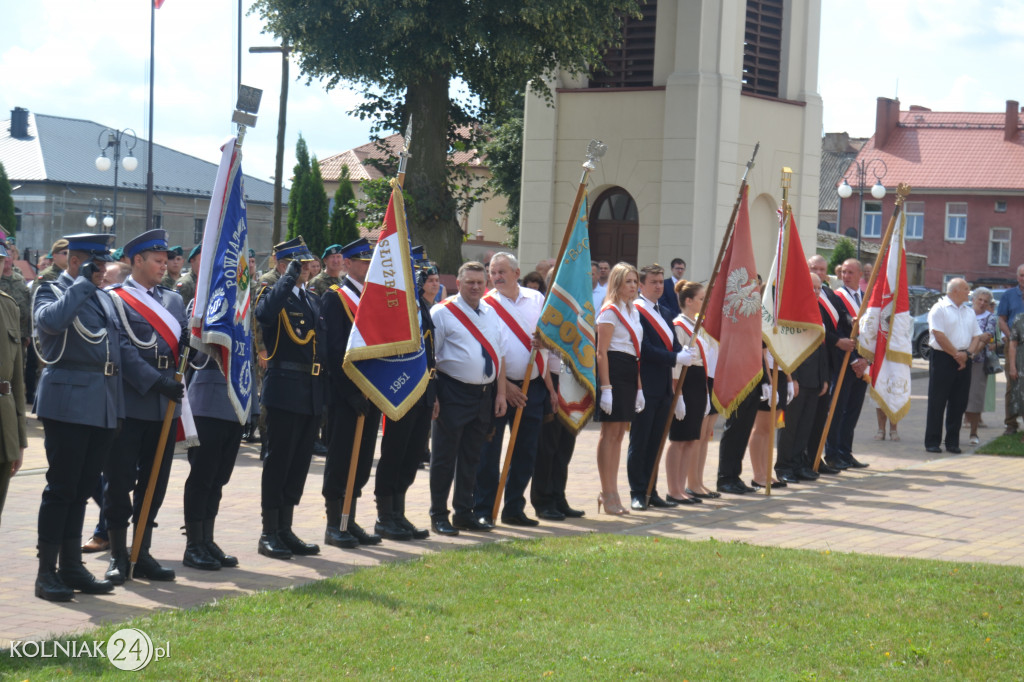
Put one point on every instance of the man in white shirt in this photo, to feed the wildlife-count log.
(954, 337)
(518, 309)
(468, 347)
(599, 289)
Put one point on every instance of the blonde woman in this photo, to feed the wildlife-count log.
(618, 352)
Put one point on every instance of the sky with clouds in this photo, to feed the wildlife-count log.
(89, 59)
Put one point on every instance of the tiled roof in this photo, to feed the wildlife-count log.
(64, 150)
(388, 147)
(833, 166)
(933, 150)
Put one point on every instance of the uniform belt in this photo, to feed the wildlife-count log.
(302, 367)
(481, 388)
(5, 388)
(160, 361)
(107, 369)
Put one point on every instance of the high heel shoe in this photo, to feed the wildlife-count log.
(612, 504)
(894, 435)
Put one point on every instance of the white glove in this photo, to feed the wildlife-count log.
(688, 356)
(766, 392)
(707, 408)
(680, 410)
(640, 402)
(789, 392)
(606, 400)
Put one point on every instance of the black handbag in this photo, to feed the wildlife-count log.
(991, 363)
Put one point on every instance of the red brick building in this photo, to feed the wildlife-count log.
(966, 172)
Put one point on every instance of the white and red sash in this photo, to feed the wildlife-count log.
(826, 306)
(627, 325)
(656, 321)
(155, 314)
(510, 319)
(349, 299)
(687, 327)
(461, 316)
(850, 302)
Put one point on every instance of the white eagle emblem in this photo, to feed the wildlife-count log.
(741, 295)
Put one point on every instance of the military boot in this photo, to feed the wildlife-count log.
(417, 533)
(387, 526)
(196, 554)
(74, 574)
(270, 541)
(292, 541)
(117, 570)
(147, 566)
(334, 536)
(361, 535)
(49, 586)
(225, 560)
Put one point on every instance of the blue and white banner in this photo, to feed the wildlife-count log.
(221, 320)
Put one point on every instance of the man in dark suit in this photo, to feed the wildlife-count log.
(346, 403)
(668, 301)
(293, 396)
(660, 350)
(834, 347)
(153, 317)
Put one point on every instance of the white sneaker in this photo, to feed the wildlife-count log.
(975, 440)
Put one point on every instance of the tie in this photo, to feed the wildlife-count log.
(488, 364)
(657, 308)
(155, 293)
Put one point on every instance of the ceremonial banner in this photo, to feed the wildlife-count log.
(385, 357)
(221, 321)
(886, 331)
(790, 321)
(734, 320)
(566, 327)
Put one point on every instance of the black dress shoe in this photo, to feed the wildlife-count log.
(955, 450)
(486, 521)
(637, 503)
(550, 514)
(933, 448)
(734, 488)
(824, 468)
(703, 496)
(806, 474)
(520, 519)
(683, 500)
(858, 464)
(443, 527)
(469, 523)
(838, 464)
(755, 485)
(569, 512)
(656, 501)
(295, 545)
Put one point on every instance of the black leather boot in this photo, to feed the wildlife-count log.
(225, 560)
(73, 572)
(147, 566)
(357, 531)
(196, 554)
(417, 533)
(117, 570)
(270, 544)
(48, 584)
(387, 526)
(334, 536)
(290, 540)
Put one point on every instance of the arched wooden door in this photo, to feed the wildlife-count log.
(614, 227)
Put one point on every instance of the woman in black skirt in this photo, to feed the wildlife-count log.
(618, 350)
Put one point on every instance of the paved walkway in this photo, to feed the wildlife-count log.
(958, 508)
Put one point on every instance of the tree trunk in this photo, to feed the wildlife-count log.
(432, 218)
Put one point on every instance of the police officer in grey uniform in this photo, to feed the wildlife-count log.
(80, 402)
(155, 338)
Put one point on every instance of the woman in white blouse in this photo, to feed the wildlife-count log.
(618, 351)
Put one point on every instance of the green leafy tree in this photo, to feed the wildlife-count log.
(504, 158)
(404, 54)
(8, 219)
(844, 249)
(344, 216)
(300, 174)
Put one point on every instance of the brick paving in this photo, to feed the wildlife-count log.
(954, 507)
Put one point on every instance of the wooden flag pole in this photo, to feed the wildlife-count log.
(787, 179)
(699, 322)
(595, 150)
(901, 192)
(353, 463)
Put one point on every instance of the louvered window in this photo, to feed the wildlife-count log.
(762, 47)
(631, 65)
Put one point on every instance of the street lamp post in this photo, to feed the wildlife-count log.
(95, 211)
(285, 50)
(115, 139)
(861, 168)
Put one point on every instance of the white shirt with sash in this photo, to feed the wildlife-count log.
(707, 346)
(456, 350)
(851, 298)
(622, 340)
(524, 312)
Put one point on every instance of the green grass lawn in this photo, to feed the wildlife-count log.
(602, 607)
(1011, 446)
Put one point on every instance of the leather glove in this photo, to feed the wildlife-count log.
(766, 392)
(294, 268)
(789, 392)
(170, 389)
(358, 402)
(606, 400)
(707, 407)
(430, 394)
(680, 410)
(640, 402)
(183, 341)
(90, 269)
(688, 356)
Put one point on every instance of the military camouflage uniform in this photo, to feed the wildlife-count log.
(186, 286)
(170, 281)
(15, 287)
(323, 282)
(48, 274)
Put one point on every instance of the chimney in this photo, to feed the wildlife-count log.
(19, 123)
(836, 142)
(1010, 126)
(887, 117)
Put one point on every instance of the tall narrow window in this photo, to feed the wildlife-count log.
(915, 219)
(197, 230)
(631, 65)
(762, 47)
(956, 221)
(999, 246)
(872, 219)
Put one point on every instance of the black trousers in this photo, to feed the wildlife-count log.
(401, 449)
(735, 438)
(839, 445)
(74, 454)
(551, 470)
(948, 389)
(644, 439)
(127, 468)
(211, 463)
(793, 440)
(820, 408)
(341, 423)
(466, 416)
(289, 451)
